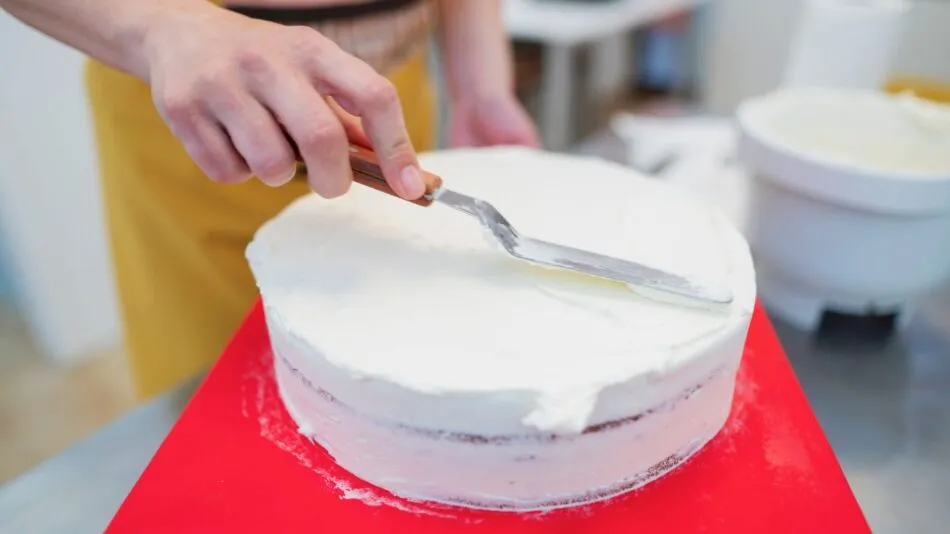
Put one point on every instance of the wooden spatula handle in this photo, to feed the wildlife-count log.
(366, 171)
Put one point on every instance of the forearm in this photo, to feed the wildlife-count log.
(476, 53)
(114, 31)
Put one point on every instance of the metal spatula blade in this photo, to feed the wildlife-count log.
(366, 171)
(549, 254)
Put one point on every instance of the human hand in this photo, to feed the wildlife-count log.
(245, 97)
(494, 120)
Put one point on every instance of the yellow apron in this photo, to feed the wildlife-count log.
(177, 238)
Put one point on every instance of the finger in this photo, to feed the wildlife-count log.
(362, 92)
(505, 123)
(256, 136)
(524, 132)
(204, 139)
(352, 124)
(318, 135)
(216, 155)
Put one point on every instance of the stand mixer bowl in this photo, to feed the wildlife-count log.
(850, 201)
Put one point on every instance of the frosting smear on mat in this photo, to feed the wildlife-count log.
(433, 365)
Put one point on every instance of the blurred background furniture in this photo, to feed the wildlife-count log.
(565, 28)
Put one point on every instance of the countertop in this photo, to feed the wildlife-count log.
(79, 490)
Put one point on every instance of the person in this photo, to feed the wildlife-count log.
(181, 90)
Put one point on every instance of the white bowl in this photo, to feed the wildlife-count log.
(850, 200)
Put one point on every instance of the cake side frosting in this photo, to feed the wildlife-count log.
(403, 338)
(514, 472)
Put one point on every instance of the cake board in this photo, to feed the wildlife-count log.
(234, 463)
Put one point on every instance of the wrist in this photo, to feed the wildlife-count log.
(478, 88)
(475, 50)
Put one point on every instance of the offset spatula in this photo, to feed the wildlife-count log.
(366, 171)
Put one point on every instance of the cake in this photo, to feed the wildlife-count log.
(431, 364)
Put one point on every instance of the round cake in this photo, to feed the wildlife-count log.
(430, 363)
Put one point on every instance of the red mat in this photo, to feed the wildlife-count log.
(234, 463)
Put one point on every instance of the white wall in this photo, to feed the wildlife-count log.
(925, 48)
(6, 276)
(749, 41)
(49, 196)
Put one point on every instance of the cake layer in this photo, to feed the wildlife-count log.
(518, 472)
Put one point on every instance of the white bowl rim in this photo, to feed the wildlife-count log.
(747, 117)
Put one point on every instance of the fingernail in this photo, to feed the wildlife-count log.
(293, 173)
(411, 181)
(277, 182)
(288, 178)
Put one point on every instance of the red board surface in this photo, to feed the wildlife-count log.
(235, 463)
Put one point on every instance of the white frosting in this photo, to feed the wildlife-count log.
(900, 134)
(408, 316)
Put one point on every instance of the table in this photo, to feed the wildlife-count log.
(563, 27)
